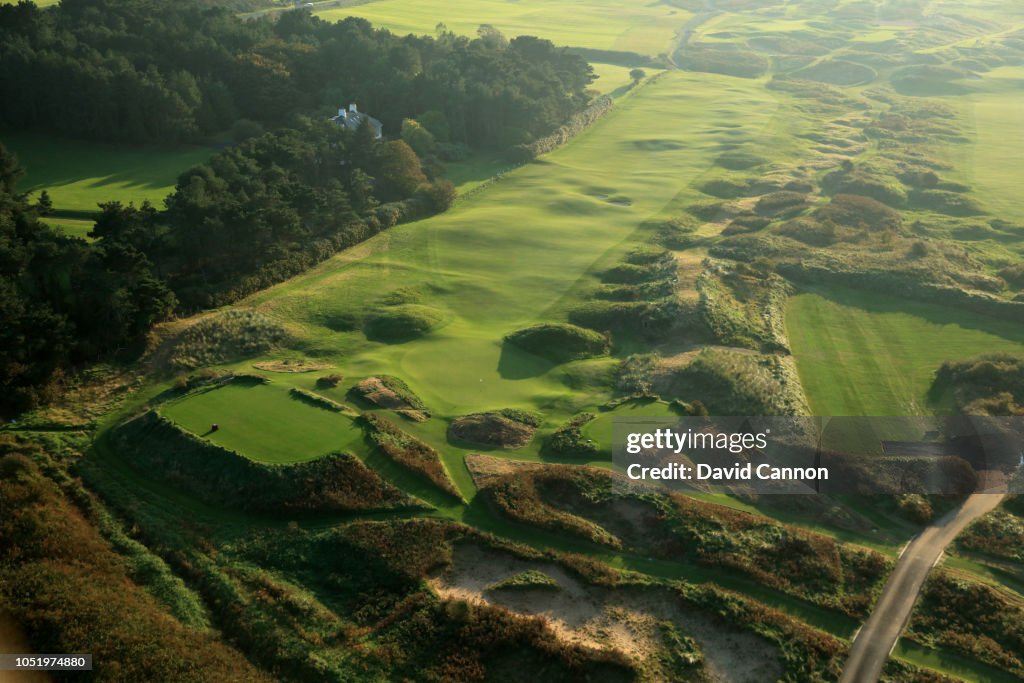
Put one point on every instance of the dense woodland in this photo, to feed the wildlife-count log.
(262, 210)
(253, 215)
(147, 71)
(62, 300)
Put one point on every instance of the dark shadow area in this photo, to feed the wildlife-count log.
(877, 302)
(513, 363)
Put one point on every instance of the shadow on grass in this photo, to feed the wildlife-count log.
(876, 302)
(515, 363)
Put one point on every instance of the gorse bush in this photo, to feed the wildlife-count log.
(409, 452)
(559, 342)
(226, 337)
(334, 483)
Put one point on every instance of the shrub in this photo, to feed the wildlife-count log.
(776, 202)
(388, 391)
(337, 482)
(227, 337)
(576, 125)
(530, 579)
(560, 342)
(568, 439)
(949, 203)
(676, 233)
(722, 60)
(316, 400)
(402, 323)
(409, 452)
(508, 428)
(329, 381)
(863, 213)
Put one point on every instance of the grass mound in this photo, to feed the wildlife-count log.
(529, 579)
(560, 342)
(316, 400)
(719, 60)
(991, 384)
(838, 72)
(737, 383)
(570, 440)
(409, 452)
(337, 482)
(230, 336)
(739, 161)
(862, 213)
(392, 393)
(403, 322)
(506, 428)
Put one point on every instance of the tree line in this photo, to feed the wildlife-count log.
(149, 71)
(254, 214)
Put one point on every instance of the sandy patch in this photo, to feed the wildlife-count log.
(290, 366)
(625, 619)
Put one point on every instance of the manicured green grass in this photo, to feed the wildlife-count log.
(993, 167)
(863, 353)
(950, 663)
(265, 423)
(78, 175)
(520, 252)
(624, 25)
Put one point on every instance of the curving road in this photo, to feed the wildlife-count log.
(878, 637)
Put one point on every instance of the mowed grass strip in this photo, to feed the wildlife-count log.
(265, 423)
(864, 353)
(79, 175)
(622, 25)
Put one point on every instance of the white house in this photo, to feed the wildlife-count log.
(352, 118)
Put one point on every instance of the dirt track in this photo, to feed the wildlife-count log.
(877, 638)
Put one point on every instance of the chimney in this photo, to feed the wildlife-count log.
(352, 108)
(341, 112)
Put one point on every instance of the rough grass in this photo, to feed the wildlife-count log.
(497, 429)
(229, 336)
(559, 342)
(401, 323)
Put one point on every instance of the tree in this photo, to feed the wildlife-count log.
(418, 137)
(44, 205)
(637, 75)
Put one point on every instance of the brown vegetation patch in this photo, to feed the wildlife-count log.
(628, 620)
(500, 429)
(289, 365)
(393, 394)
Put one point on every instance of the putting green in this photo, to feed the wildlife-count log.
(622, 25)
(265, 423)
(862, 353)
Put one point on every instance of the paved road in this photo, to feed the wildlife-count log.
(877, 638)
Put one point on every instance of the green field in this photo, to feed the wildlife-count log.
(862, 353)
(998, 120)
(79, 175)
(497, 262)
(76, 227)
(265, 423)
(629, 26)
